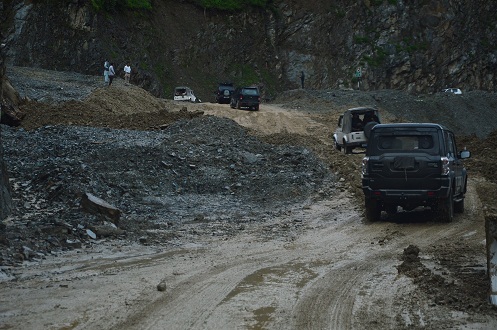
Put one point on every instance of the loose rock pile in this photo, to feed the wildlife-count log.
(206, 169)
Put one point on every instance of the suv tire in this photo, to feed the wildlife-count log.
(446, 208)
(459, 206)
(367, 129)
(346, 150)
(373, 211)
(337, 146)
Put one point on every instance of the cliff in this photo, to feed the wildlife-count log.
(417, 46)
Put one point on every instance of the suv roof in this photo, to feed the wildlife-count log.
(225, 85)
(408, 125)
(361, 110)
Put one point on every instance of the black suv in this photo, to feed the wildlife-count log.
(412, 165)
(246, 97)
(224, 92)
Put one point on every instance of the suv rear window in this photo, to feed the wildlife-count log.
(250, 91)
(408, 142)
(224, 87)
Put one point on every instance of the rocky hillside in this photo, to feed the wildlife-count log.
(418, 46)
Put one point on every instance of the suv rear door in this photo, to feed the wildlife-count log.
(407, 159)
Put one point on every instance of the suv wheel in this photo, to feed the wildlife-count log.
(367, 129)
(459, 206)
(446, 208)
(373, 211)
(346, 150)
(337, 146)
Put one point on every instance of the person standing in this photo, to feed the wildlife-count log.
(106, 72)
(112, 73)
(302, 78)
(127, 73)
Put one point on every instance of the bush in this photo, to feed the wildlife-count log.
(109, 5)
(232, 4)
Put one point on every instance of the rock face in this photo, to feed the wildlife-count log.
(418, 46)
(5, 191)
(5, 195)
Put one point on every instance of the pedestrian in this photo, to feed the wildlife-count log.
(302, 77)
(112, 73)
(106, 72)
(127, 73)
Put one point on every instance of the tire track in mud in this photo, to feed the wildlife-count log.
(189, 303)
(350, 269)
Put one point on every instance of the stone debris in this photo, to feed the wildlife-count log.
(95, 205)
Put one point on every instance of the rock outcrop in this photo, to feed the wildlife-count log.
(418, 46)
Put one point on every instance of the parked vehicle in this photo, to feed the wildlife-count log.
(246, 97)
(413, 165)
(456, 91)
(184, 93)
(224, 92)
(354, 127)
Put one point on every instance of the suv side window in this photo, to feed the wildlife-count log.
(450, 144)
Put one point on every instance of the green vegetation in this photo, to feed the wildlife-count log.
(109, 5)
(376, 2)
(377, 59)
(232, 5)
(246, 75)
(339, 11)
(361, 40)
(410, 47)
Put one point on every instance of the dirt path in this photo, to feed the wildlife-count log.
(338, 273)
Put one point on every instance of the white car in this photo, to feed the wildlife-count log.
(184, 93)
(456, 91)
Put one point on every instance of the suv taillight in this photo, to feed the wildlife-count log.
(445, 165)
(364, 169)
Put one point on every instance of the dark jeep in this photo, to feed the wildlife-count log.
(413, 165)
(224, 92)
(246, 97)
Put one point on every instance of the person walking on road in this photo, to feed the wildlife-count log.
(127, 73)
(302, 78)
(112, 73)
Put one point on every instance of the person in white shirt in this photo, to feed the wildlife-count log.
(127, 73)
(106, 72)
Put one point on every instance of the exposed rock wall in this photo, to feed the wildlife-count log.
(419, 46)
(5, 191)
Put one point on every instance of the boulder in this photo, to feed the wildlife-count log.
(98, 206)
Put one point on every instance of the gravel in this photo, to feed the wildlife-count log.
(206, 169)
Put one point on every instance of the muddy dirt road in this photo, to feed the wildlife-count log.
(335, 272)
